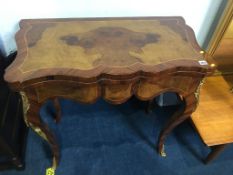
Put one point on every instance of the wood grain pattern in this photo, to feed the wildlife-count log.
(110, 58)
(68, 47)
(214, 116)
(115, 91)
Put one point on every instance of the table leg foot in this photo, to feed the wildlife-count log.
(162, 151)
(215, 151)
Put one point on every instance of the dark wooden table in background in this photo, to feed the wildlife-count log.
(111, 58)
(213, 118)
(13, 131)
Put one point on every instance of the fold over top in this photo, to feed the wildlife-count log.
(89, 47)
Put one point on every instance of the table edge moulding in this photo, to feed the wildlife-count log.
(114, 84)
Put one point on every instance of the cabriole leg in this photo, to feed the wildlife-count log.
(175, 120)
(32, 119)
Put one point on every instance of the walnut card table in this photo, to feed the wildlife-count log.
(112, 58)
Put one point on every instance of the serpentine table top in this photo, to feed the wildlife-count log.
(112, 58)
(92, 47)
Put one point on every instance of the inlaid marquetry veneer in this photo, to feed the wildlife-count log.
(112, 58)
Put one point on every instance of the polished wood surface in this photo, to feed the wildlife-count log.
(214, 116)
(87, 47)
(109, 58)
